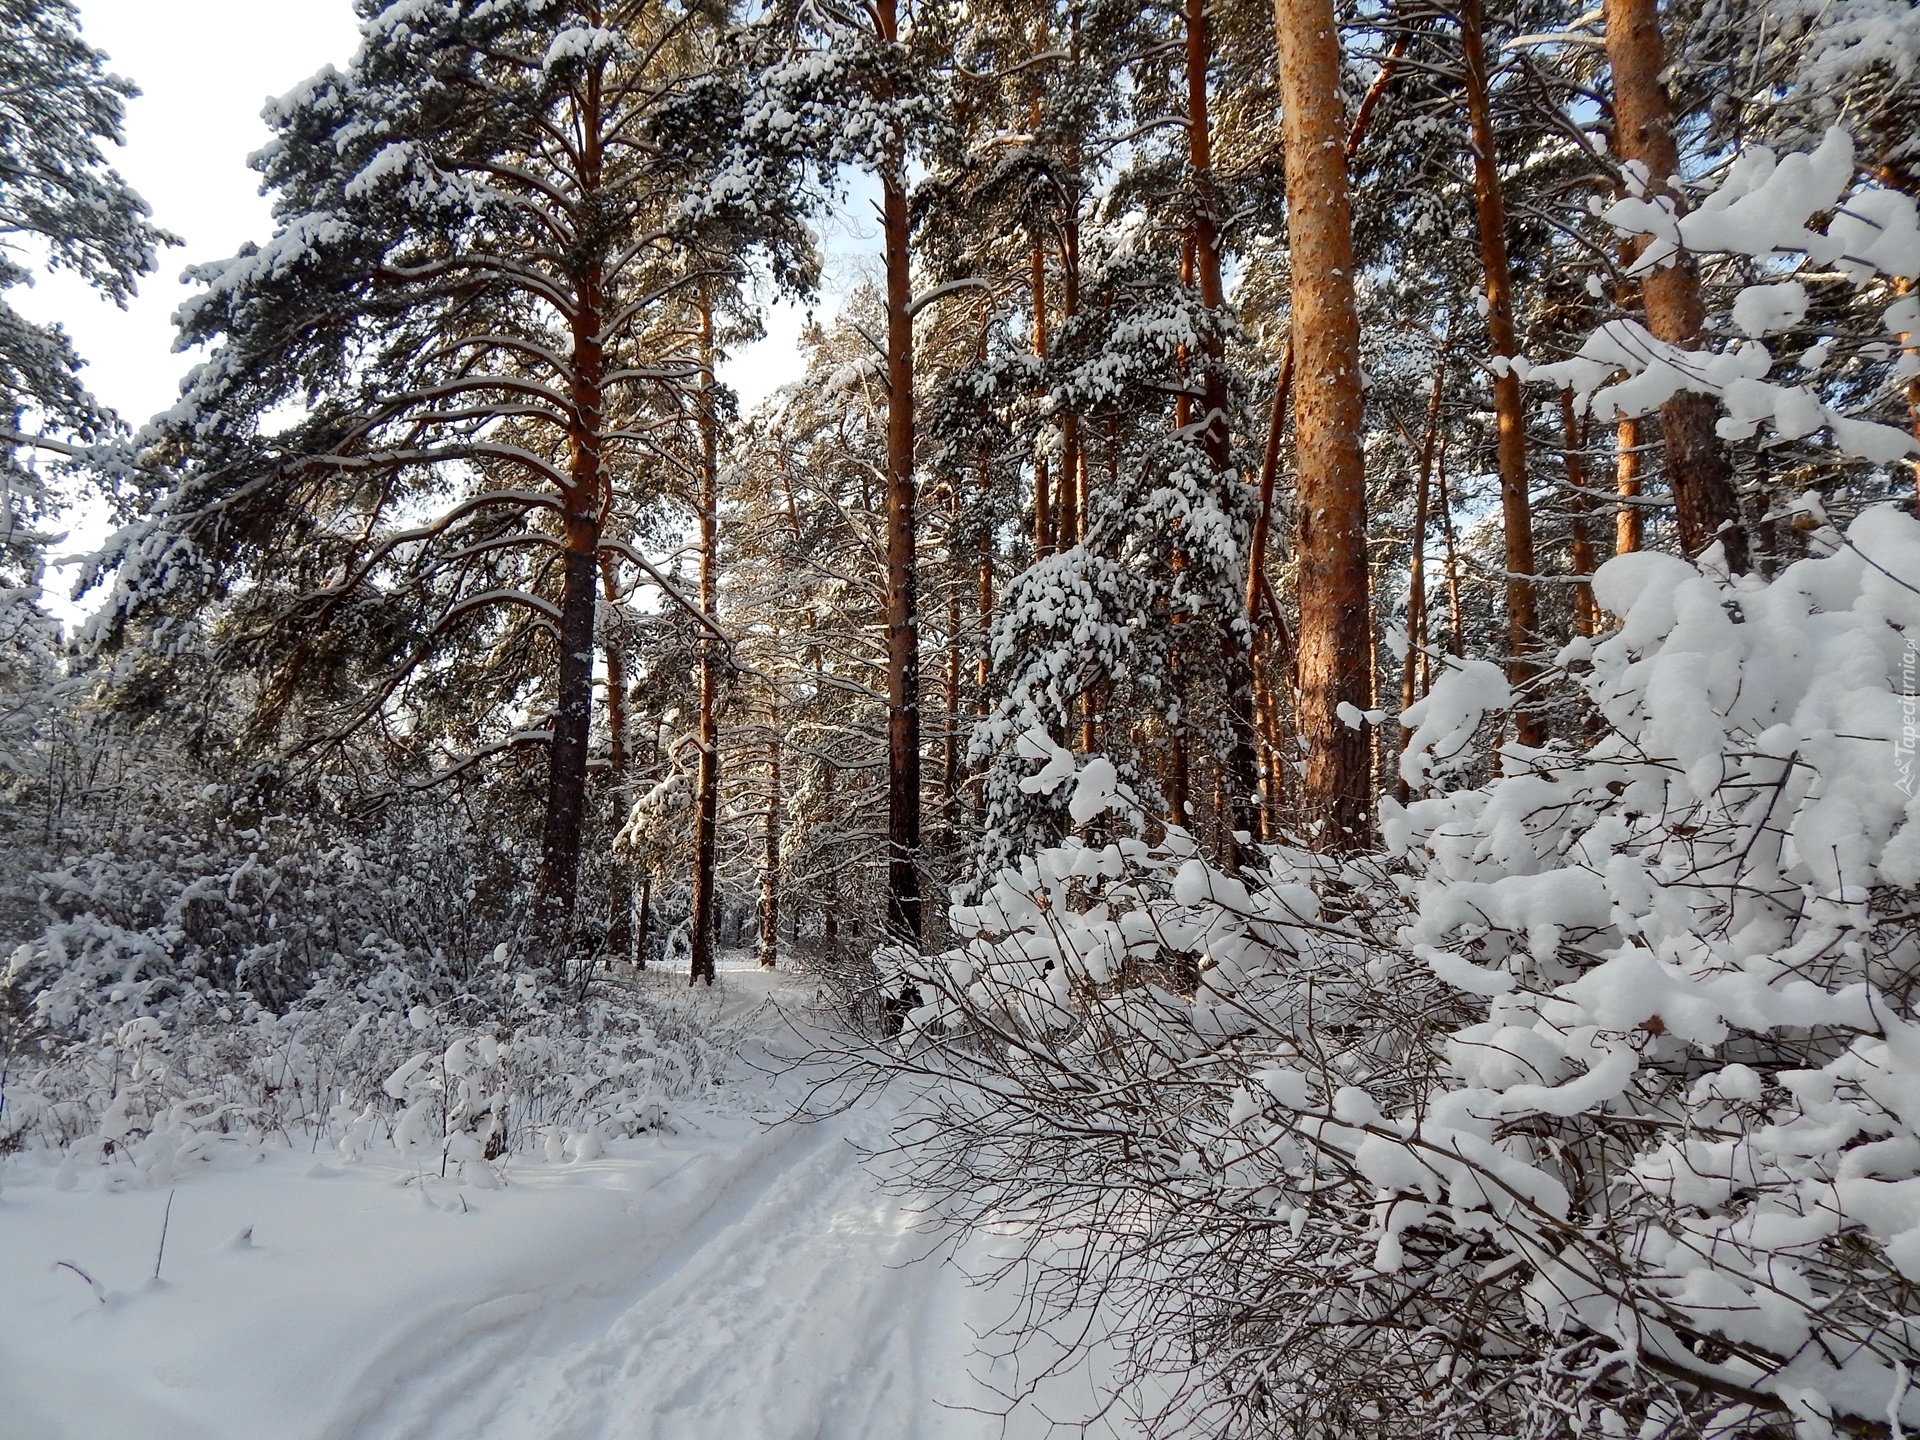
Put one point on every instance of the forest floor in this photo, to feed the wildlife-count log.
(728, 1278)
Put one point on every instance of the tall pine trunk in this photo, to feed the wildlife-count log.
(1045, 529)
(1586, 614)
(1456, 637)
(706, 837)
(1266, 639)
(583, 500)
(1698, 468)
(620, 878)
(903, 632)
(616, 680)
(1266, 695)
(770, 847)
(1331, 490)
(1241, 764)
(1417, 565)
(1175, 768)
(1516, 510)
(950, 731)
(1072, 526)
(1629, 525)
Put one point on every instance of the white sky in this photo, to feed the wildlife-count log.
(205, 68)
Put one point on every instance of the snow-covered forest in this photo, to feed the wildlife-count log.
(1279, 798)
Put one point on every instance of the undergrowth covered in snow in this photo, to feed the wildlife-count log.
(142, 1104)
(221, 978)
(1590, 1106)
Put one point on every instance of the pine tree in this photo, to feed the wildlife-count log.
(1699, 470)
(490, 233)
(62, 206)
(1331, 500)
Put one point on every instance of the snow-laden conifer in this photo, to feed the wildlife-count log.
(62, 207)
(442, 395)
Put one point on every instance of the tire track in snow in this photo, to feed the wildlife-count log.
(452, 1370)
(797, 1322)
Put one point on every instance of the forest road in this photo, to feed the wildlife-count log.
(727, 1277)
(797, 1300)
(799, 1304)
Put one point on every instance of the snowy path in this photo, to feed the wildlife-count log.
(790, 1308)
(744, 1283)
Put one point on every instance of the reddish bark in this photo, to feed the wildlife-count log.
(903, 624)
(1332, 502)
(583, 500)
(1629, 525)
(1516, 510)
(1698, 468)
(1586, 614)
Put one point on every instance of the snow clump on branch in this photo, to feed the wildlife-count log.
(1761, 209)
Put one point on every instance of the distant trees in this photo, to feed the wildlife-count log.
(1700, 472)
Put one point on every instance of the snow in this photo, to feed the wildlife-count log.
(1443, 722)
(1762, 208)
(721, 1277)
(1693, 903)
(580, 42)
(1760, 310)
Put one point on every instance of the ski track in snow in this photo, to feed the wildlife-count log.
(745, 1283)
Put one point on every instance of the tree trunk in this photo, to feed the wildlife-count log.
(770, 851)
(584, 501)
(1265, 699)
(1456, 640)
(1629, 526)
(1331, 489)
(1269, 476)
(983, 665)
(1072, 525)
(620, 878)
(1240, 779)
(1266, 696)
(903, 634)
(1276, 425)
(1698, 469)
(1586, 615)
(1179, 766)
(616, 680)
(950, 732)
(1177, 762)
(1516, 511)
(1045, 531)
(706, 837)
(1417, 566)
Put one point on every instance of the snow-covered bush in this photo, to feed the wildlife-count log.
(352, 1077)
(1769, 210)
(1588, 1108)
(185, 970)
(181, 921)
